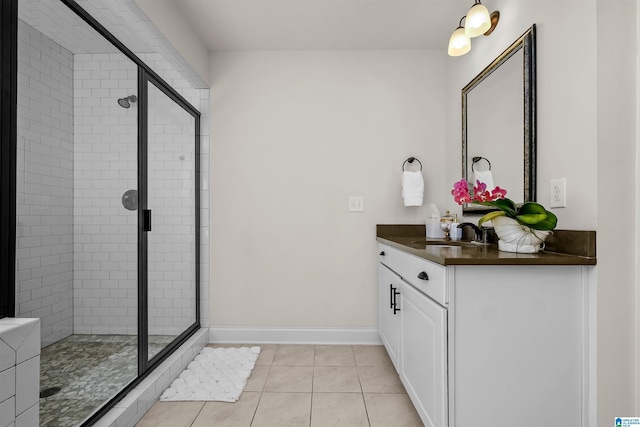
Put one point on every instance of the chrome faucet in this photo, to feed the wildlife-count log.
(480, 233)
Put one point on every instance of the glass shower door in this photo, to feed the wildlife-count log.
(77, 237)
(170, 219)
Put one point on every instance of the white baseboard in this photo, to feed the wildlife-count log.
(245, 335)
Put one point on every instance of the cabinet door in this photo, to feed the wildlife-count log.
(388, 318)
(424, 355)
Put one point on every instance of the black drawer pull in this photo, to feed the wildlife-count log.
(395, 302)
(423, 275)
(382, 253)
(391, 291)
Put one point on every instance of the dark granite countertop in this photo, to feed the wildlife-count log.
(578, 248)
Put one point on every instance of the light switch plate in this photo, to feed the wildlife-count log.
(558, 193)
(356, 204)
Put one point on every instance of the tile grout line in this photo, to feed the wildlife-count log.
(197, 414)
(364, 402)
(313, 377)
(255, 411)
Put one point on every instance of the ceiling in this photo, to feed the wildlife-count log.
(254, 25)
(122, 18)
(261, 24)
(55, 20)
(324, 24)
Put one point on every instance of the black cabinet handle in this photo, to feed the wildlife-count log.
(423, 275)
(390, 296)
(382, 253)
(395, 302)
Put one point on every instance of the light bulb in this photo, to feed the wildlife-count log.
(478, 20)
(459, 43)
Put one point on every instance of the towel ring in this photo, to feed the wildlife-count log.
(410, 160)
(476, 159)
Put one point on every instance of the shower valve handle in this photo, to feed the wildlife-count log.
(147, 219)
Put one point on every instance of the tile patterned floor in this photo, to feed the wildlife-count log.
(89, 370)
(306, 386)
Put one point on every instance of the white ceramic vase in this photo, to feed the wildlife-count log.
(515, 237)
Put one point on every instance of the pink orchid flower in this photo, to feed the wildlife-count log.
(462, 195)
(498, 193)
(480, 193)
(460, 192)
(462, 198)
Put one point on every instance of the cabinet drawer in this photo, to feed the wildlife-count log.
(429, 278)
(411, 267)
(396, 260)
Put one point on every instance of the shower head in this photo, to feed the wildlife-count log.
(126, 102)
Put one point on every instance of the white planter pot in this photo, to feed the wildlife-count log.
(515, 237)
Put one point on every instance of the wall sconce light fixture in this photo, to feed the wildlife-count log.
(476, 23)
(478, 20)
(459, 43)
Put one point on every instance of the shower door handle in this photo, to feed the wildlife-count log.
(147, 219)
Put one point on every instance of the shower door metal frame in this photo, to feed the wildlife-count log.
(144, 79)
(8, 149)
(145, 73)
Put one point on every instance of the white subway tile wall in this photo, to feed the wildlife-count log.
(105, 241)
(77, 154)
(44, 246)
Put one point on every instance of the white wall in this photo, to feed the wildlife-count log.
(294, 134)
(617, 193)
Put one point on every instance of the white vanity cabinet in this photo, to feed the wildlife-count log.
(413, 328)
(491, 345)
(389, 303)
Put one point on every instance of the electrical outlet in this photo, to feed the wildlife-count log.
(356, 204)
(558, 193)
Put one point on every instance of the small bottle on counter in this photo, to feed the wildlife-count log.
(445, 224)
(454, 231)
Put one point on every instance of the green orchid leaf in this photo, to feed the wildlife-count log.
(531, 219)
(536, 216)
(489, 217)
(531, 213)
(549, 223)
(505, 205)
(531, 208)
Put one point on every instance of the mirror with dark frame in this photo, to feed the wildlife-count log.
(499, 124)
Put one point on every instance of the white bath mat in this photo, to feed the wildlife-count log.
(215, 374)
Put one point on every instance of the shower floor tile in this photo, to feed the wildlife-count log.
(88, 370)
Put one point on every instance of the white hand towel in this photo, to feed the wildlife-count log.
(412, 188)
(484, 176)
